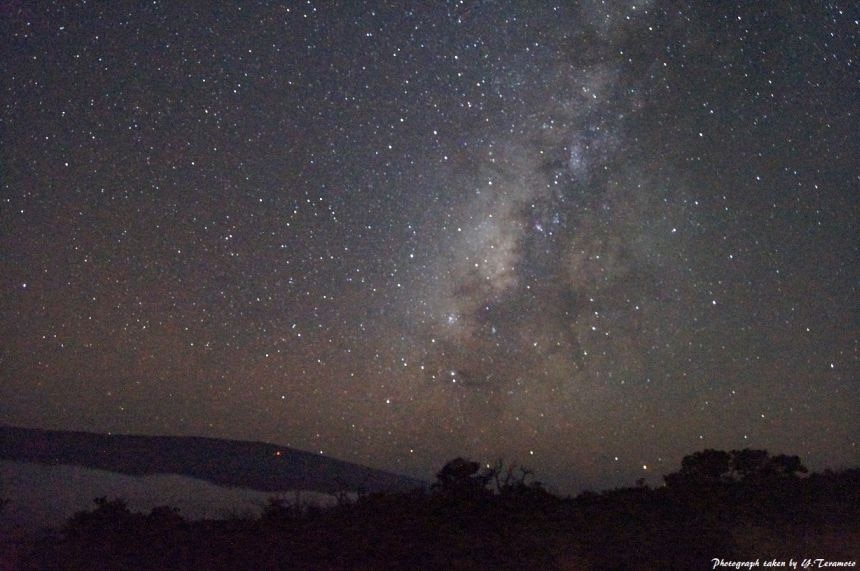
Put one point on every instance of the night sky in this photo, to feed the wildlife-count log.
(590, 238)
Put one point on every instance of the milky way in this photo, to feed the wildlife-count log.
(587, 238)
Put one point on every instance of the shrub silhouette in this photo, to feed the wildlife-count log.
(718, 504)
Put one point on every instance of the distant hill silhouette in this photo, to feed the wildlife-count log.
(253, 465)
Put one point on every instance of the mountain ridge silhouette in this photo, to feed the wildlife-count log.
(258, 466)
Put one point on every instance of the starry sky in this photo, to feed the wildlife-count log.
(587, 237)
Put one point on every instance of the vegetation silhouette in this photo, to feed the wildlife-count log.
(737, 505)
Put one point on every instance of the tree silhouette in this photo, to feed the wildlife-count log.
(514, 480)
(754, 465)
(788, 466)
(711, 467)
(748, 463)
(462, 478)
(702, 468)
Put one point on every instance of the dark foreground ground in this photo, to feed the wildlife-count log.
(734, 507)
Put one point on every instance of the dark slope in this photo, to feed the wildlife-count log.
(253, 465)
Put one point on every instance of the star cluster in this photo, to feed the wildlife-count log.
(588, 237)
